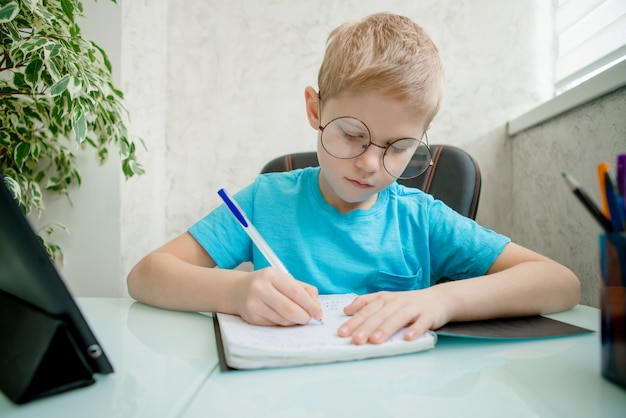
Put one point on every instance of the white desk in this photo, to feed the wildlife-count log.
(166, 366)
(556, 377)
(161, 359)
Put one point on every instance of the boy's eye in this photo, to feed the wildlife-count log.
(395, 147)
(402, 145)
(351, 136)
(397, 150)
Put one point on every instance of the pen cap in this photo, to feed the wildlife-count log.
(234, 207)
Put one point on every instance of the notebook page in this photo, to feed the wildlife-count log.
(236, 331)
(309, 337)
(249, 346)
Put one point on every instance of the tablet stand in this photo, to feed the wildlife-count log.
(38, 356)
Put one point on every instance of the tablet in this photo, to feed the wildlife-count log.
(29, 277)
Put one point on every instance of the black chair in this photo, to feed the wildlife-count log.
(454, 178)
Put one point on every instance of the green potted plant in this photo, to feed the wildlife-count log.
(57, 98)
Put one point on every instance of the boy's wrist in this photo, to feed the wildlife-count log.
(227, 294)
(449, 299)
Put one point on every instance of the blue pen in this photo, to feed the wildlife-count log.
(253, 233)
(614, 201)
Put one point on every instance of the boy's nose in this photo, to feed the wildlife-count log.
(371, 160)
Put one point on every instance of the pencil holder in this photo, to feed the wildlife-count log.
(613, 306)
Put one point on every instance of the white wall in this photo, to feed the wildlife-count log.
(145, 85)
(91, 265)
(216, 90)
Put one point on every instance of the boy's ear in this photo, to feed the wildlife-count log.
(312, 107)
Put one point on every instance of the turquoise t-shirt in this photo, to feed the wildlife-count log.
(406, 241)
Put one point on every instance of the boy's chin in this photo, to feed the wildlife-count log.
(356, 199)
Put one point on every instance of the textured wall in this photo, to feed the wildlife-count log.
(144, 82)
(547, 216)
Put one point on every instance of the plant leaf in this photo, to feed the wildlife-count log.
(5, 139)
(102, 156)
(74, 88)
(18, 79)
(8, 12)
(136, 167)
(53, 69)
(21, 152)
(105, 57)
(53, 183)
(68, 9)
(52, 49)
(60, 86)
(124, 149)
(36, 197)
(35, 151)
(32, 71)
(80, 129)
(14, 188)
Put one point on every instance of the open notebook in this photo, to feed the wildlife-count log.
(247, 346)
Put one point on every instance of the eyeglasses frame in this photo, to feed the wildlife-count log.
(385, 148)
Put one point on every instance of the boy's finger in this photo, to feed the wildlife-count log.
(316, 309)
(415, 330)
(359, 303)
(291, 311)
(298, 301)
(356, 321)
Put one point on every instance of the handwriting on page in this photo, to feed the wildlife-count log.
(335, 303)
(242, 333)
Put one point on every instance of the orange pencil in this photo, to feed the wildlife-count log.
(602, 169)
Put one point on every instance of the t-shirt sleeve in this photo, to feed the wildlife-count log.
(460, 247)
(220, 234)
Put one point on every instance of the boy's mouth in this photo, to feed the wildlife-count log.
(359, 184)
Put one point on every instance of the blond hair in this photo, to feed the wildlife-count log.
(386, 53)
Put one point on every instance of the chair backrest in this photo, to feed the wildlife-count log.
(454, 178)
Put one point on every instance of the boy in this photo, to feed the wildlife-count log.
(347, 226)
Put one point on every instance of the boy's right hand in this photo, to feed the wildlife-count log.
(271, 297)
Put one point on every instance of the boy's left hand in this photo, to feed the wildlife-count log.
(377, 316)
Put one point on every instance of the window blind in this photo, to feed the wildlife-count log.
(591, 37)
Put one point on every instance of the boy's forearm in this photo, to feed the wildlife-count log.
(530, 288)
(163, 280)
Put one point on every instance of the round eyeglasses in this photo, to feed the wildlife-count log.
(347, 137)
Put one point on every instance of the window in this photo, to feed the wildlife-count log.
(591, 37)
(591, 59)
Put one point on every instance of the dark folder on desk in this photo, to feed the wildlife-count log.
(511, 328)
(46, 346)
